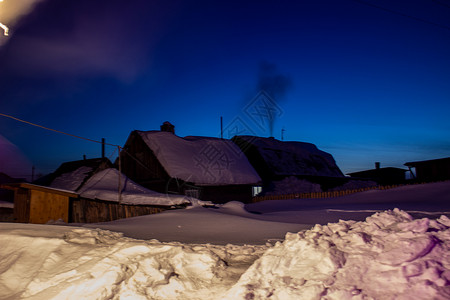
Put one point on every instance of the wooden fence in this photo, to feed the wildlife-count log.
(318, 195)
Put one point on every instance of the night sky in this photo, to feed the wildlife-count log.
(363, 80)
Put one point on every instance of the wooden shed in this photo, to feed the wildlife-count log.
(38, 204)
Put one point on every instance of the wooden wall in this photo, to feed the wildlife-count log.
(22, 205)
(46, 206)
(93, 211)
(140, 164)
(39, 207)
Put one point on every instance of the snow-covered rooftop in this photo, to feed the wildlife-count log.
(201, 160)
(292, 158)
(105, 186)
(72, 180)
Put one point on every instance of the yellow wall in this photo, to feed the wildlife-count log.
(48, 206)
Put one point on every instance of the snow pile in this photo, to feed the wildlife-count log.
(98, 264)
(71, 181)
(201, 160)
(105, 186)
(293, 185)
(389, 256)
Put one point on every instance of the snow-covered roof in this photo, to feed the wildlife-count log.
(104, 186)
(201, 160)
(292, 158)
(71, 180)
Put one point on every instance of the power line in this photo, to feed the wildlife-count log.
(442, 3)
(402, 14)
(58, 131)
(120, 149)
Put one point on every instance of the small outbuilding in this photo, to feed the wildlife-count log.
(430, 170)
(110, 195)
(382, 176)
(39, 204)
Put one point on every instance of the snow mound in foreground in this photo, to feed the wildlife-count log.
(99, 264)
(389, 256)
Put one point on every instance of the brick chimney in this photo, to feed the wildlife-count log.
(168, 127)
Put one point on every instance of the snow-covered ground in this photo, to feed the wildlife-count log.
(291, 249)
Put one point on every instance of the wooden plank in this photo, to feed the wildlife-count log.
(21, 205)
(46, 206)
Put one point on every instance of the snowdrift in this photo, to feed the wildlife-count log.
(388, 256)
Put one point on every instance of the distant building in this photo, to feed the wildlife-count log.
(71, 175)
(206, 168)
(430, 170)
(382, 176)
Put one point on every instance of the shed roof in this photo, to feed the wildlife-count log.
(438, 160)
(29, 186)
(375, 172)
(105, 186)
(200, 160)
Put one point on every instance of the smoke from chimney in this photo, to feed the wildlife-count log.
(276, 85)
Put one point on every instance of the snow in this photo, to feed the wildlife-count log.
(293, 158)
(6, 204)
(285, 250)
(71, 180)
(104, 186)
(201, 160)
(389, 256)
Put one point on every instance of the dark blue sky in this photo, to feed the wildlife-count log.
(361, 82)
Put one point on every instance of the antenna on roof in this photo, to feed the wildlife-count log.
(221, 127)
(103, 147)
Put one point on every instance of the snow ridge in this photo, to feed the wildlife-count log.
(389, 256)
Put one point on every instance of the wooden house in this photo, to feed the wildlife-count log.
(382, 176)
(430, 170)
(276, 160)
(206, 168)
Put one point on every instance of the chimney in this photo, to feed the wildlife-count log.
(377, 165)
(168, 127)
